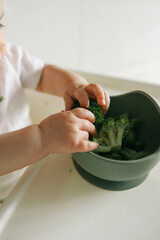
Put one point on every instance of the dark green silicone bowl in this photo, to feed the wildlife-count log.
(120, 174)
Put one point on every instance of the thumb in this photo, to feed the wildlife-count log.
(69, 101)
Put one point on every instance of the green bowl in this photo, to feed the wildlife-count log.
(120, 174)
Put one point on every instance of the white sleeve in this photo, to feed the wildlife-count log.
(31, 70)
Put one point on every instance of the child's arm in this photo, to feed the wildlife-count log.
(71, 86)
(20, 148)
(64, 132)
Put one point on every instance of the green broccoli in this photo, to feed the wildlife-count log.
(112, 129)
(107, 132)
(124, 154)
(116, 136)
(129, 136)
(130, 154)
(113, 155)
(117, 139)
(95, 108)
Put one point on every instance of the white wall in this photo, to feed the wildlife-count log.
(111, 37)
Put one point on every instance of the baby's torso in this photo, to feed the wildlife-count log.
(14, 108)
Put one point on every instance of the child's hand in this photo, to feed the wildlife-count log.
(68, 132)
(72, 86)
(82, 91)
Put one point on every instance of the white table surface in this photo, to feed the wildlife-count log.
(52, 201)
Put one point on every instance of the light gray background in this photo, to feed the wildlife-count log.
(109, 37)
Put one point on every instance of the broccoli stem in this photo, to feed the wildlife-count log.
(119, 136)
(102, 149)
(112, 137)
(105, 140)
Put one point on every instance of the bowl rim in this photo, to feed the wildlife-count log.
(150, 97)
(124, 161)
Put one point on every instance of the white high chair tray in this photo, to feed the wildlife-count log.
(52, 201)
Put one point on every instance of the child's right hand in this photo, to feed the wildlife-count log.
(68, 132)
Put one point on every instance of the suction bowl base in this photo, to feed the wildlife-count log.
(106, 184)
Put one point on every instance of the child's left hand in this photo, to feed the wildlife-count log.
(81, 90)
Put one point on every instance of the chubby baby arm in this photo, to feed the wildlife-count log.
(20, 148)
(64, 132)
(68, 132)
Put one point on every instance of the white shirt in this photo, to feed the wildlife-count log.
(18, 70)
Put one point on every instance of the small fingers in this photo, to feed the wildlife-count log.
(69, 101)
(83, 113)
(84, 135)
(87, 126)
(86, 146)
(98, 92)
(82, 96)
(83, 93)
(107, 100)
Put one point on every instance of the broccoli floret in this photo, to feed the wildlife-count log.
(129, 136)
(116, 136)
(131, 154)
(112, 130)
(107, 132)
(117, 139)
(95, 108)
(124, 154)
(113, 155)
